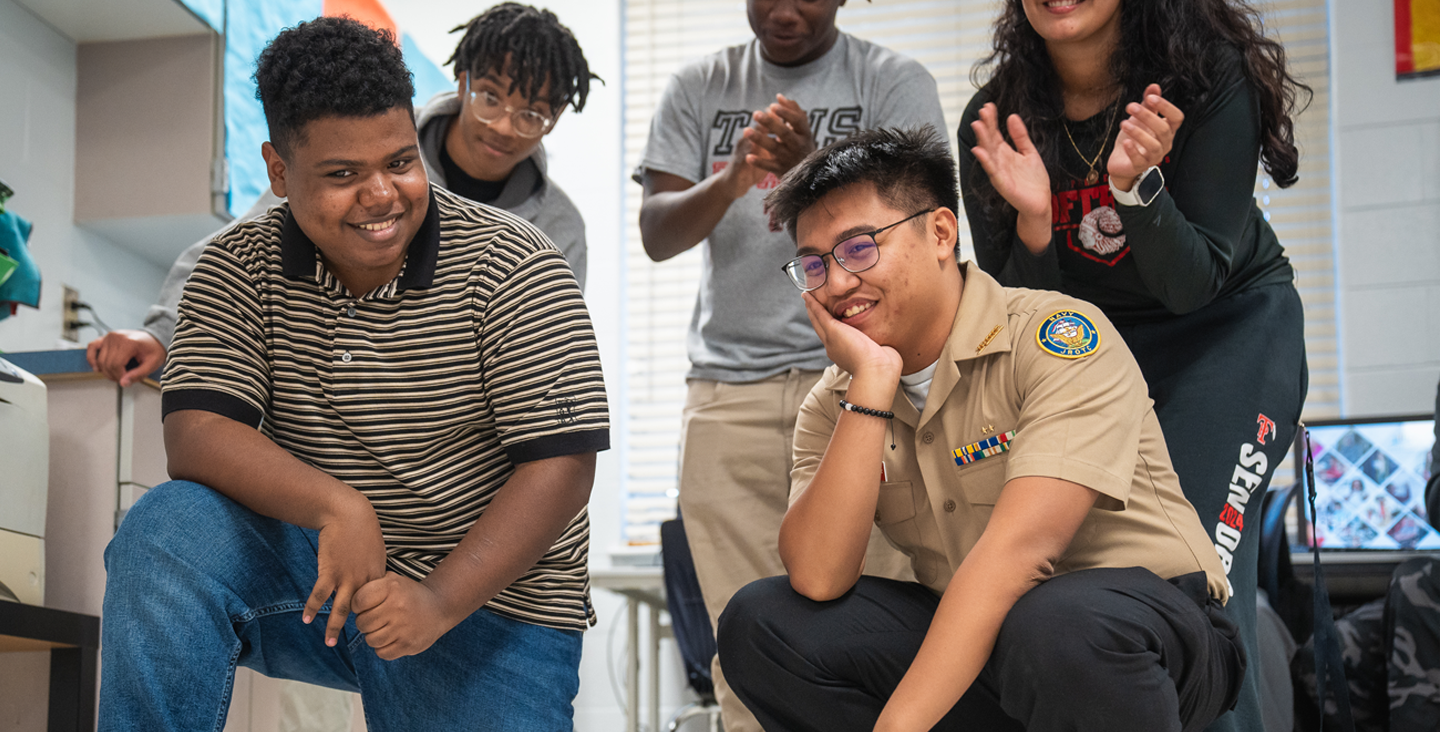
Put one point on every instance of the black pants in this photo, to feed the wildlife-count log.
(1229, 381)
(1099, 649)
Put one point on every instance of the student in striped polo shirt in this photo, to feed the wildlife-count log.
(383, 400)
(483, 141)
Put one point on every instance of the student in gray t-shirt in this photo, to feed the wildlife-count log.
(727, 127)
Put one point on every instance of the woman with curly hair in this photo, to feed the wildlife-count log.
(1112, 155)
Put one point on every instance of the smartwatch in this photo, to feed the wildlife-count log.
(1146, 188)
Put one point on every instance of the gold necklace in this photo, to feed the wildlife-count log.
(1093, 176)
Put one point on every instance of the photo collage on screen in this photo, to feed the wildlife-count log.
(1370, 484)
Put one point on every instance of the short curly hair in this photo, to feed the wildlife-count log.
(329, 67)
(911, 170)
(531, 47)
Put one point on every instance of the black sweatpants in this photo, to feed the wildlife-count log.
(1229, 381)
(1098, 649)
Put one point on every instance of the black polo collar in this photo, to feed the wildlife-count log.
(297, 251)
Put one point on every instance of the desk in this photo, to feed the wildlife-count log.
(639, 586)
(105, 449)
(74, 644)
(1354, 577)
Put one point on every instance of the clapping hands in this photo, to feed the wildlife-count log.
(1145, 137)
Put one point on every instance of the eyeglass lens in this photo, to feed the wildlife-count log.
(856, 254)
(488, 109)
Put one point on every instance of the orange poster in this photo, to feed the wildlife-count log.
(1417, 38)
(369, 12)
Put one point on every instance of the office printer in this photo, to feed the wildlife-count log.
(24, 478)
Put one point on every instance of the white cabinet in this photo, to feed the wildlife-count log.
(149, 135)
(149, 122)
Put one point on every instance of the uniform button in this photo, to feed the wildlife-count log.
(928, 437)
(350, 311)
(949, 506)
(345, 357)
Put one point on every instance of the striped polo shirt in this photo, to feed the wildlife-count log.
(423, 394)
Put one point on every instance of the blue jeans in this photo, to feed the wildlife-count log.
(198, 584)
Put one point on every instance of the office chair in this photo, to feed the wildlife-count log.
(690, 623)
(1289, 596)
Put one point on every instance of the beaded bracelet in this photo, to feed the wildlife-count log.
(881, 413)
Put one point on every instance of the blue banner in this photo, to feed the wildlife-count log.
(249, 27)
(429, 79)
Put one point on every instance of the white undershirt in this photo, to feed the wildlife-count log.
(917, 385)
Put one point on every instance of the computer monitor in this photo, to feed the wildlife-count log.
(1370, 476)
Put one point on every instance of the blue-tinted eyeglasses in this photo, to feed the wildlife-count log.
(856, 254)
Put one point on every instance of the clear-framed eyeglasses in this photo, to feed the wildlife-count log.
(485, 106)
(856, 254)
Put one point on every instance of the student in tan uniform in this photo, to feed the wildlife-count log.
(1003, 440)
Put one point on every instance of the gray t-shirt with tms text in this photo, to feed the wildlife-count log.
(749, 321)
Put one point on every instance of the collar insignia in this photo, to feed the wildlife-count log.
(989, 338)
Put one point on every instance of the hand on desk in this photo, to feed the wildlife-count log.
(113, 353)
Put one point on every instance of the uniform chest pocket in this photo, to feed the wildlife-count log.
(895, 511)
(982, 480)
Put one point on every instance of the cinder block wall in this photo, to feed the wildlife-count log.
(1388, 193)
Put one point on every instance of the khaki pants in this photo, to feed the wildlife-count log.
(735, 457)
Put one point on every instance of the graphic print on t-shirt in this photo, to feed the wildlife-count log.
(825, 125)
(1085, 222)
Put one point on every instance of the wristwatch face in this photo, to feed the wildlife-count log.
(1149, 186)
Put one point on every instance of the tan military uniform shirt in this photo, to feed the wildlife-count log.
(1013, 406)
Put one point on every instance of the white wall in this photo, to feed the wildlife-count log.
(37, 159)
(585, 159)
(1388, 193)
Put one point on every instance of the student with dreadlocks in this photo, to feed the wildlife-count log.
(517, 70)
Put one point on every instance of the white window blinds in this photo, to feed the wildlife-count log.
(1302, 215)
(948, 37)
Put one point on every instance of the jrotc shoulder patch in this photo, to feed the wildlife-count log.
(1068, 334)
